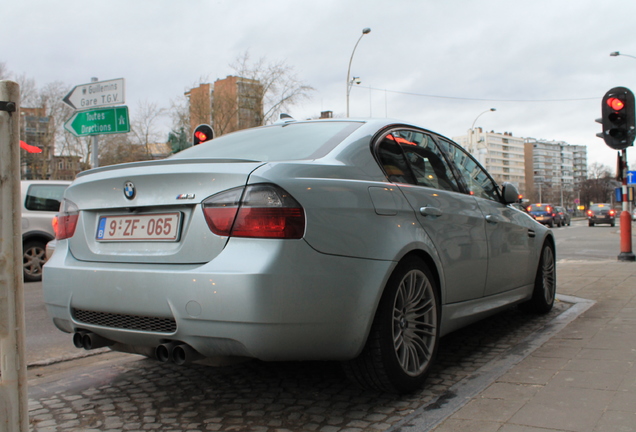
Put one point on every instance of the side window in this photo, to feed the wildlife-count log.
(419, 156)
(477, 180)
(393, 161)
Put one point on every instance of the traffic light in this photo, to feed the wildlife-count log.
(618, 118)
(202, 133)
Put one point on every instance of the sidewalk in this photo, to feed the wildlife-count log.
(582, 379)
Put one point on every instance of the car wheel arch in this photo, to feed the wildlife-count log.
(430, 263)
(40, 236)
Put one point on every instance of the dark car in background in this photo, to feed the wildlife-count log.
(546, 214)
(566, 219)
(601, 214)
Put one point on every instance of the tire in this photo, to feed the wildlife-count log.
(33, 258)
(590, 223)
(551, 224)
(409, 314)
(612, 224)
(544, 283)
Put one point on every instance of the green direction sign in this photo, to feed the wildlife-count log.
(99, 122)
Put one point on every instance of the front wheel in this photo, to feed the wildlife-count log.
(544, 283)
(403, 341)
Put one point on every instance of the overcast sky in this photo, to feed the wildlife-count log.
(543, 64)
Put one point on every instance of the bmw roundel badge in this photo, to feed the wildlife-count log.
(129, 190)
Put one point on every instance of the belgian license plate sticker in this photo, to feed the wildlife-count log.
(151, 227)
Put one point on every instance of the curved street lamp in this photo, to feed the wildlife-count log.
(472, 133)
(616, 54)
(366, 30)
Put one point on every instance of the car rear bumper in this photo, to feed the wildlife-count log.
(602, 219)
(253, 300)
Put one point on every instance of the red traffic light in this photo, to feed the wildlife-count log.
(202, 133)
(615, 103)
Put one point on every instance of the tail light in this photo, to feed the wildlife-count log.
(65, 221)
(257, 211)
(590, 213)
(612, 212)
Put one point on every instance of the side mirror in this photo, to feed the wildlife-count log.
(510, 193)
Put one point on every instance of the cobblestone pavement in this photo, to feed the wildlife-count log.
(132, 393)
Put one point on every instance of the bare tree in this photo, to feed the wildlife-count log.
(4, 72)
(144, 126)
(599, 185)
(278, 89)
(117, 148)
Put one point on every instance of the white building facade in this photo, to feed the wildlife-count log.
(502, 154)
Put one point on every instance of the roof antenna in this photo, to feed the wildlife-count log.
(285, 118)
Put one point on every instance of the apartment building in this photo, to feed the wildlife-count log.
(502, 154)
(228, 105)
(554, 169)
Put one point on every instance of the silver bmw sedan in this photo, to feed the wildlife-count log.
(360, 241)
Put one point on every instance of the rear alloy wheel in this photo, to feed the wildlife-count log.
(544, 283)
(404, 336)
(33, 258)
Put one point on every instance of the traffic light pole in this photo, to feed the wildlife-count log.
(626, 219)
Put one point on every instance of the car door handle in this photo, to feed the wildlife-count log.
(531, 233)
(430, 211)
(493, 219)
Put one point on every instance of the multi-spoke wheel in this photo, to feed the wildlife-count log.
(544, 283)
(33, 258)
(405, 333)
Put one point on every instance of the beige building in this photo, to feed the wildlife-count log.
(501, 154)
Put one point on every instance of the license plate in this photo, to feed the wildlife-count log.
(151, 227)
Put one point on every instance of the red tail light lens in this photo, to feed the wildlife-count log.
(612, 212)
(65, 221)
(590, 213)
(256, 211)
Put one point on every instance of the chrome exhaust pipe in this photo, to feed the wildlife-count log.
(164, 352)
(78, 339)
(92, 341)
(182, 354)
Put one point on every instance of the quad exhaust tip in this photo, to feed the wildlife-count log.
(90, 341)
(177, 352)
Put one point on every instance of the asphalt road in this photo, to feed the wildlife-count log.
(44, 342)
(582, 242)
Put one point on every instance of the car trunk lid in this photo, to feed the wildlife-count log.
(151, 212)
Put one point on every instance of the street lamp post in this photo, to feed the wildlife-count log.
(616, 54)
(366, 30)
(472, 133)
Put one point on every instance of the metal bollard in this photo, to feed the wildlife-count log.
(13, 384)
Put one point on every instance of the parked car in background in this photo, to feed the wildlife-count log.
(566, 219)
(601, 214)
(362, 241)
(40, 202)
(546, 214)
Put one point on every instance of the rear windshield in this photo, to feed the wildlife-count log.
(540, 209)
(291, 141)
(41, 197)
(600, 207)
